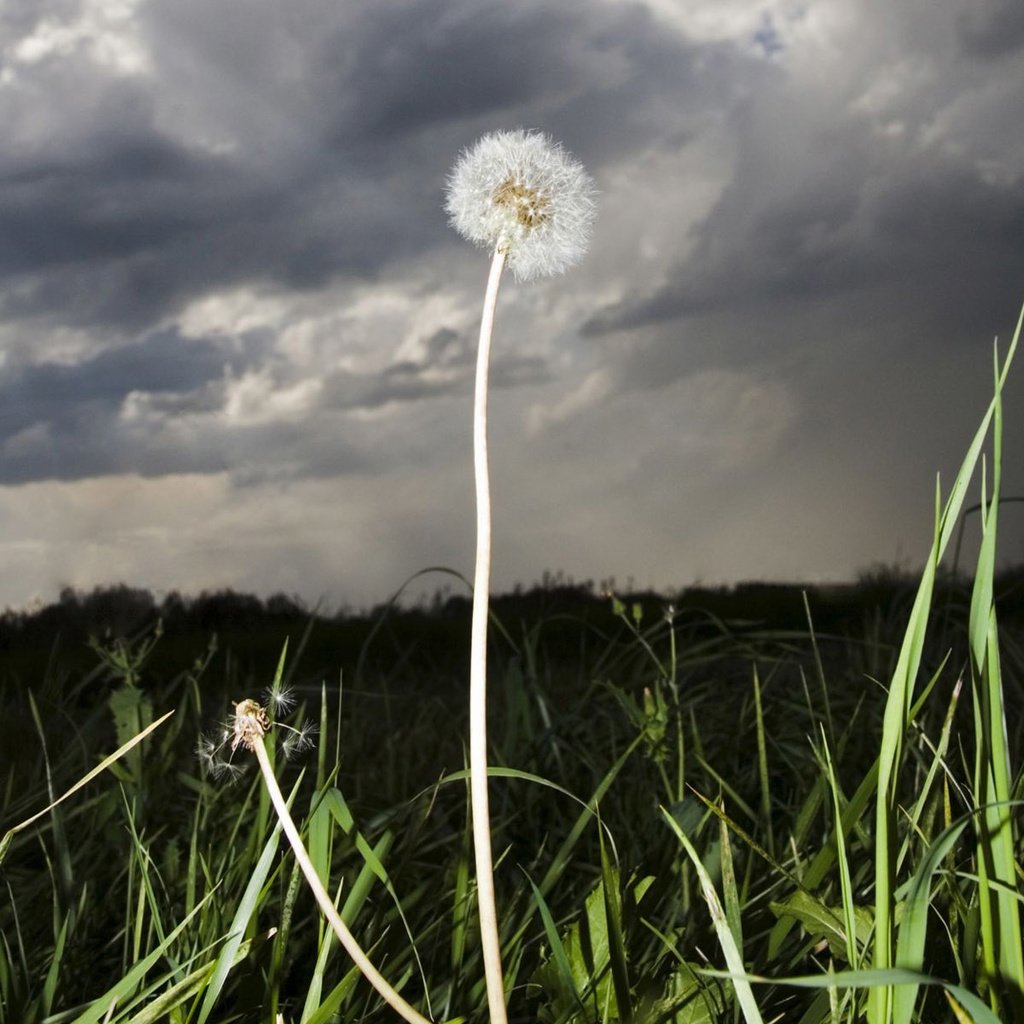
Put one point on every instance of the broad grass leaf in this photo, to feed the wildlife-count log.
(824, 923)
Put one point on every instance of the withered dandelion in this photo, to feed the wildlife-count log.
(250, 722)
(248, 728)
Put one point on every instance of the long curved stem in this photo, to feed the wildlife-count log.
(347, 939)
(478, 665)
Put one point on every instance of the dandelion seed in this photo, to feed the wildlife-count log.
(521, 193)
(280, 700)
(298, 740)
(229, 771)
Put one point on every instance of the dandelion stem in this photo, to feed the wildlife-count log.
(478, 664)
(387, 993)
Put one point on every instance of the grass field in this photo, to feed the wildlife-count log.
(696, 816)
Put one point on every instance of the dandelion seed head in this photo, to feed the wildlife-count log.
(521, 192)
(250, 725)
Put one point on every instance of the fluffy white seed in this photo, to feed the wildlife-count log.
(521, 192)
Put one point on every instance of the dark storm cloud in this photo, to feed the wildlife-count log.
(115, 220)
(60, 393)
(63, 420)
(416, 68)
(337, 130)
(307, 143)
(454, 63)
(954, 242)
(992, 28)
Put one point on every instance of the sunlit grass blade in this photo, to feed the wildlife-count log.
(913, 927)
(845, 883)
(872, 979)
(160, 1009)
(900, 698)
(9, 835)
(733, 956)
(616, 942)
(762, 768)
(244, 913)
(997, 861)
(315, 985)
(102, 1008)
(557, 947)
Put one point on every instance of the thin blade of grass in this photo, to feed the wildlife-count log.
(616, 943)
(872, 978)
(900, 698)
(845, 883)
(157, 1011)
(243, 915)
(100, 1008)
(914, 925)
(733, 956)
(1001, 931)
(9, 835)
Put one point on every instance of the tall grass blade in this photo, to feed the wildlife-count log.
(9, 835)
(101, 1008)
(900, 698)
(243, 915)
(733, 956)
(997, 862)
(914, 925)
(616, 942)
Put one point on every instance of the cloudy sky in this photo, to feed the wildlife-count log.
(237, 334)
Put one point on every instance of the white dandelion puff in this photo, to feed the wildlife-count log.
(522, 196)
(521, 193)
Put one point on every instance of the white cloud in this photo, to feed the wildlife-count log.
(103, 29)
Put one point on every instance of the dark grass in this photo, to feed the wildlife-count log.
(569, 676)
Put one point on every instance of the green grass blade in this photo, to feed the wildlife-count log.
(898, 704)
(101, 1009)
(997, 862)
(762, 767)
(733, 956)
(616, 942)
(845, 883)
(914, 925)
(558, 951)
(873, 979)
(9, 835)
(158, 1011)
(243, 915)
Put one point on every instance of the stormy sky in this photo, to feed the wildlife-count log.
(237, 334)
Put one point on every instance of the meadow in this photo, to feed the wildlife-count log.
(678, 809)
(669, 774)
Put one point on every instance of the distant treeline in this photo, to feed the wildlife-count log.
(432, 636)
